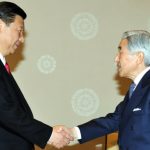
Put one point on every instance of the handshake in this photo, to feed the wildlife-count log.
(61, 136)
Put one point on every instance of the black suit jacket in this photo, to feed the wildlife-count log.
(131, 118)
(18, 128)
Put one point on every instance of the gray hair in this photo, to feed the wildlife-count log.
(139, 41)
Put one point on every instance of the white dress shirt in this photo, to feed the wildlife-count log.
(2, 58)
(140, 76)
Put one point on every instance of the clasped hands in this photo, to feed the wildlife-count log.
(61, 136)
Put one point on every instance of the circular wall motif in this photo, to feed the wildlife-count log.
(46, 64)
(84, 26)
(85, 102)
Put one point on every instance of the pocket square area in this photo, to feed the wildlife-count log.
(136, 109)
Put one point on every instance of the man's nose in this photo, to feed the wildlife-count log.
(117, 58)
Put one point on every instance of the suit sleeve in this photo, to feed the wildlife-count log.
(100, 126)
(15, 119)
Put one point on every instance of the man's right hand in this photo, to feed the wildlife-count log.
(60, 137)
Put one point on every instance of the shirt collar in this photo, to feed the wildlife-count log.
(139, 77)
(2, 58)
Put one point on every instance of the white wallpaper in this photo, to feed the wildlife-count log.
(66, 67)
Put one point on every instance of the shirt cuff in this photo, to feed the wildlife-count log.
(77, 133)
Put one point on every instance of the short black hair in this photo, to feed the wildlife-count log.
(9, 10)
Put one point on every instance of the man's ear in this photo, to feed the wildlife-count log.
(140, 57)
(2, 24)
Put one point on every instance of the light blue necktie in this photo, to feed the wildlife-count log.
(131, 89)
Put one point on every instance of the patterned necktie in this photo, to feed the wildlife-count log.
(7, 68)
(131, 89)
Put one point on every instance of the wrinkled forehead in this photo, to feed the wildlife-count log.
(123, 43)
(18, 22)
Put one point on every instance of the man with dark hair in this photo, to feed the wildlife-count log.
(18, 128)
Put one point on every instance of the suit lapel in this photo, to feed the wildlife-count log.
(137, 96)
(20, 96)
(13, 89)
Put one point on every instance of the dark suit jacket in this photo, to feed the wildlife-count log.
(131, 118)
(18, 129)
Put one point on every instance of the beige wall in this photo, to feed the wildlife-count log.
(74, 42)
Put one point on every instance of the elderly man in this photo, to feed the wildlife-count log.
(132, 116)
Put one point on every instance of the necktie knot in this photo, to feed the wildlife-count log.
(131, 89)
(7, 68)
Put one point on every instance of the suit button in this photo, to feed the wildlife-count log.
(131, 128)
(120, 147)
